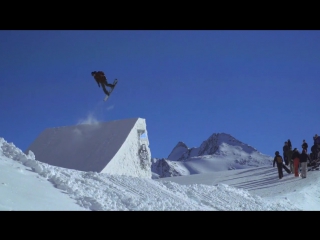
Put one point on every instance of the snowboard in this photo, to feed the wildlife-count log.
(286, 168)
(115, 84)
(314, 166)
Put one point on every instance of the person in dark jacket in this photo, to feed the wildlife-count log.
(101, 79)
(289, 155)
(279, 161)
(317, 143)
(296, 161)
(304, 157)
(304, 146)
(313, 154)
(289, 144)
(285, 149)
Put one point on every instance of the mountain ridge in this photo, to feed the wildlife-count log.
(183, 160)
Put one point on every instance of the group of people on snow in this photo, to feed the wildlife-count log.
(295, 160)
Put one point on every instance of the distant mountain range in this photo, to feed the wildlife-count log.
(219, 152)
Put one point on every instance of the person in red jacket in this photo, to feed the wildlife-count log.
(101, 79)
(296, 161)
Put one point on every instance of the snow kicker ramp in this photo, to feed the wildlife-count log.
(115, 147)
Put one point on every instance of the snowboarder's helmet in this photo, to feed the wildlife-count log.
(277, 152)
(92, 73)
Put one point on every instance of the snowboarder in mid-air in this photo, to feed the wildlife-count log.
(101, 79)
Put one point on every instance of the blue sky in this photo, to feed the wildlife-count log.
(261, 87)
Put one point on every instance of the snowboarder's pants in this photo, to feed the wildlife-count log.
(104, 87)
(280, 172)
(303, 169)
(296, 167)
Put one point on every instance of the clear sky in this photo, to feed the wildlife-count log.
(27, 184)
(261, 87)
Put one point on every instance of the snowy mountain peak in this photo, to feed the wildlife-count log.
(181, 144)
(213, 143)
(178, 150)
(219, 152)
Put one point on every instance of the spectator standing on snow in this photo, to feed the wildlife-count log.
(285, 149)
(304, 145)
(304, 157)
(289, 155)
(313, 154)
(289, 144)
(279, 161)
(317, 143)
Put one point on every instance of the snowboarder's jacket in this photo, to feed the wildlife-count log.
(99, 77)
(277, 159)
(304, 157)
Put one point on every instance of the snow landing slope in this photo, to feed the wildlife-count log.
(106, 192)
